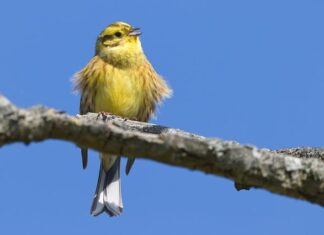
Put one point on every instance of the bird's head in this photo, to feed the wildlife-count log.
(119, 44)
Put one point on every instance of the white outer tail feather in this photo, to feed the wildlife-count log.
(108, 195)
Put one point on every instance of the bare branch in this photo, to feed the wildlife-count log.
(296, 173)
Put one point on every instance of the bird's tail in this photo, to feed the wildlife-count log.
(108, 196)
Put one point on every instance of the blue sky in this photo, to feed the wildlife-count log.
(250, 71)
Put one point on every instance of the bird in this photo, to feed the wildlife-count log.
(120, 80)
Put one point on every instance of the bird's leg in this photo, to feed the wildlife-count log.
(133, 119)
(105, 115)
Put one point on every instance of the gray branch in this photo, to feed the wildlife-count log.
(298, 173)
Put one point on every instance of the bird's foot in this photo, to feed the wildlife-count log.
(132, 119)
(104, 115)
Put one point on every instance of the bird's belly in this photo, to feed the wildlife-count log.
(120, 95)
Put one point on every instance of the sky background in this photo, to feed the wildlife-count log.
(250, 71)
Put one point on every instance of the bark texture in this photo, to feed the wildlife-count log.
(297, 172)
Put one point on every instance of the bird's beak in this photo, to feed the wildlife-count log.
(135, 32)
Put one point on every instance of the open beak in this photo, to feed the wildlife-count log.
(135, 32)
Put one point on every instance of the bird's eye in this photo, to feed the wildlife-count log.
(118, 34)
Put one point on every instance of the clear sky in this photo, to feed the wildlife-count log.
(250, 71)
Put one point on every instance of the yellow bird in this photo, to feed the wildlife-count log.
(119, 80)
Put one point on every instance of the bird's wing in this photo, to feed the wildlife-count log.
(85, 107)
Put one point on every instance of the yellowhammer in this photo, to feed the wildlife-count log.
(120, 80)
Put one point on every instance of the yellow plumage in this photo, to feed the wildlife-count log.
(119, 80)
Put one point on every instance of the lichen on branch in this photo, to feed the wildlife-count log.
(296, 172)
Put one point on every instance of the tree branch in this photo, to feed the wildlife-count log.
(295, 172)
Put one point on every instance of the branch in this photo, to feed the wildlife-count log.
(296, 173)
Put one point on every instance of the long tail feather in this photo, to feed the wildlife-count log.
(108, 195)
